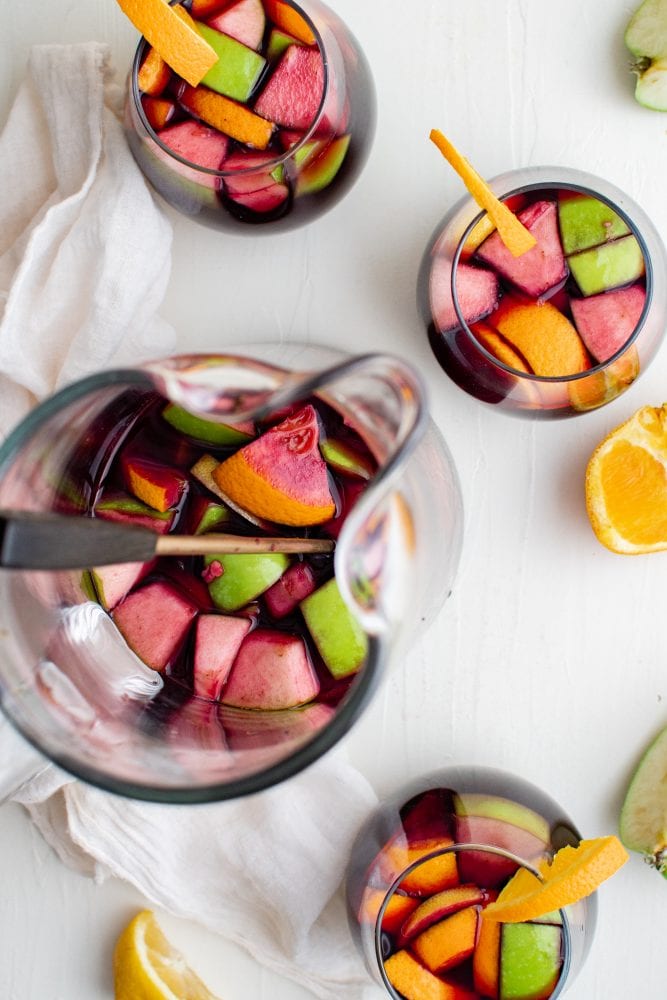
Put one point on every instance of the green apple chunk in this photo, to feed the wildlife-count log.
(213, 516)
(319, 172)
(278, 42)
(207, 431)
(505, 810)
(238, 67)
(643, 825)
(586, 222)
(646, 37)
(530, 961)
(344, 459)
(608, 266)
(339, 638)
(244, 577)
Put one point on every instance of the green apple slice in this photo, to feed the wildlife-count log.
(646, 38)
(495, 807)
(643, 826)
(344, 459)
(530, 961)
(207, 431)
(244, 577)
(339, 638)
(608, 266)
(238, 67)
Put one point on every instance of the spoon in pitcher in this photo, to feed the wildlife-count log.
(30, 540)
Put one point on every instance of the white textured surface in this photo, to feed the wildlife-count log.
(549, 659)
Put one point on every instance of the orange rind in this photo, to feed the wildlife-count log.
(512, 232)
(173, 35)
(626, 485)
(226, 115)
(542, 335)
(574, 873)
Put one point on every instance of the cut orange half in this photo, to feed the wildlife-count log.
(626, 484)
(574, 873)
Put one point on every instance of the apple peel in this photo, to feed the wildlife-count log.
(512, 232)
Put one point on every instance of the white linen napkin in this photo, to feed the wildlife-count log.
(84, 263)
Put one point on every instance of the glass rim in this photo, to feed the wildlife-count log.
(361, 688)
(455, 848)
(579, 188)
(288, 154)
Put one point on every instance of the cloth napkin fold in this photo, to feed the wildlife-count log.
(84, 264)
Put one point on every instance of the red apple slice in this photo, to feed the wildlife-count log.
(244, 20)
(287, 593)
(437, 907)
(154, 621)
(217, 641)
(272, 671)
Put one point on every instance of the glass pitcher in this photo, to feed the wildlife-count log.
(71, 685)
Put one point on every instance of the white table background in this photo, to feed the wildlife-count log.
(550, 657)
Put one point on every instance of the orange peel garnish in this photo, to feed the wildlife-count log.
(512, 232)
(173, 35)
(574, 873)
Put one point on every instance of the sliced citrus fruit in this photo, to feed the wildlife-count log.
(574, 873)
(147, 967)
(512, 232)
(643, 826)
(626, 484)
(281, 476)
(173, 35)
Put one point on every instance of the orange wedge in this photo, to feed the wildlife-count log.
(500, 348)
(574, 873)
(626, 484)
(513, 233)
(172, 35)
(542, 335)
(228, 116)
(291, 22)
(603, 386)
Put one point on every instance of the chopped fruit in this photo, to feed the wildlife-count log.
(265, 201)
(281, 475)
(287, 593)
(441, 905)
(608, 266)
(575, 872)
(158, 112)
(477, 235)
(202, 471)
(154, 622)
(498, 808)
(530, 961)
(207, 431)
(157, 485)
(238, 67)
(177, 41)
(646, 37)
(294, 91)
(512, 232)
(485, 868)
(428, 815)
(432, 876)
(272, 671)
(227, 116)
(205, 515)
(291, 22)
(491, 340)
(606, 321)
(261, 190)
(217, 641)
(244, 577)
(204, 9)
(154, 74)
(542, 335)
(586, 222)
(643, 825)
(128, 510)
(449, 942)
(244, 20)
(344, 459)
(278, 42)
(146, 967)
(198, 144)
(113, 583)
(414, 982)
(540, 268)
(319, 171)
(602, 386)
(626, 484)
(486, 958)
(477, 290)
(397, 909)
(339, 638)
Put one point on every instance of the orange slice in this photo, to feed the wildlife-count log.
(626, 484)
(513, 233)
(500, 348)
(289, 20)
(173, 36)
(574, 873)
(153, 74)
(603, 386)
(227, 116)
(542, 335)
